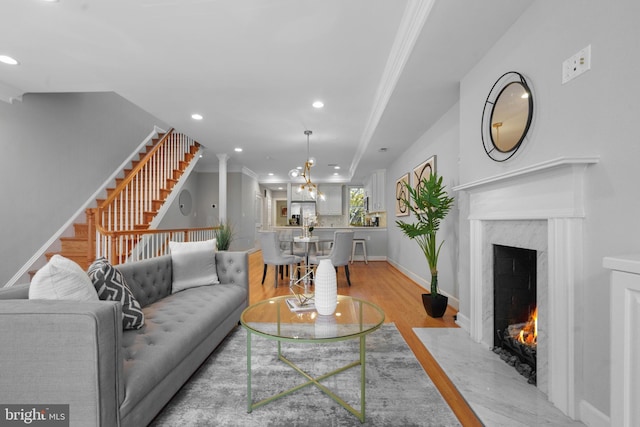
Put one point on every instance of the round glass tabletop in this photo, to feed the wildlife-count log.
(273, 318)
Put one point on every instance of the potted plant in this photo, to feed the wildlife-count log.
(429, 204)
(224, 236)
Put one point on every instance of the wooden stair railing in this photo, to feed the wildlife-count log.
(129, 208)
(133, 245)
(115, 226)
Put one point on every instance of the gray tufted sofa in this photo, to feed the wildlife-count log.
(66, 352)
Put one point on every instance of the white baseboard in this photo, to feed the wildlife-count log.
(369, 258)
(464, 322)
(453, 301)
(592, 417)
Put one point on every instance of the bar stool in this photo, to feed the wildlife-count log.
(364, 249)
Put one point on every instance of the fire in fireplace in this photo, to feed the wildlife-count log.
(518, 347)
(515, 312)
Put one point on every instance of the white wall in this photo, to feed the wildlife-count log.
(592, 115)
(57, 150)
(441, 140)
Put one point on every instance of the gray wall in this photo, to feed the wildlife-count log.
(174, 218)
(594, 114)
(442, 141)
(249, 208)
(57, 149)
(204, 188)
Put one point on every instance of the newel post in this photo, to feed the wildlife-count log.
(91, 235)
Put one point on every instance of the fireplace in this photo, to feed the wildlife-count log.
(538, 207)
(515, 314)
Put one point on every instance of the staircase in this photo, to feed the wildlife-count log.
(117, 224)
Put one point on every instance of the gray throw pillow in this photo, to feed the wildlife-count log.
(193, 264)
(111, 286)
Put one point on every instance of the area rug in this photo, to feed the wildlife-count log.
(398, 391)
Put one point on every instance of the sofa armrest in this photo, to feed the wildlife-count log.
(233, 268)
(63, 352)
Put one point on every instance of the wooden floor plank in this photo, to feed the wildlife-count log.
(399, 297)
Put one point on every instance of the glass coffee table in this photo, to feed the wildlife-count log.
(273, 319)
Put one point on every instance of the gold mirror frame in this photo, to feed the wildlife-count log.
(507, 115)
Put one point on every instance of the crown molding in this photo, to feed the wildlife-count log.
(413, 19)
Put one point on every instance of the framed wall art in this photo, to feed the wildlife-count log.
(401, 195)
(423, 170)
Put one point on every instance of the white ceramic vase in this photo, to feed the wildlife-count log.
(326, 288)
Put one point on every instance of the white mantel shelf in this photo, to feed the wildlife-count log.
(529, 170)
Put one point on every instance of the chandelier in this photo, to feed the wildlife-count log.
(308, 186)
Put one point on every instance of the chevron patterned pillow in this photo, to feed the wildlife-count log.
(111, 286)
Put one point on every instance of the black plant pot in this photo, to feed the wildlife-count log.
(435, 307)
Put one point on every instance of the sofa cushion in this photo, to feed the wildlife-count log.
(173, 327)
(193, 264)
(62, 279)
(149, 279)
(111, 286)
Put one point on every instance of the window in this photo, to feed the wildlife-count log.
(356, 206)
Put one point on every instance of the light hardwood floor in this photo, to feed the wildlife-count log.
(399, 297)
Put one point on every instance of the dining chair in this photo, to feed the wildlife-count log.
(272, 254)
(340, 252)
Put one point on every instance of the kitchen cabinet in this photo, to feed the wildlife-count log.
(374, 190)
(332, 203)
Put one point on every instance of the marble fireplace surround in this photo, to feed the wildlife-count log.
(538, 207)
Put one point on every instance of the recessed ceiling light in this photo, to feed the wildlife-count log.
(299, 167)
(336, 173)
(318, 104)
(238, 150)
(270, 174)
(280, 188)
(336, 167)
(8, 60)
(197, 116)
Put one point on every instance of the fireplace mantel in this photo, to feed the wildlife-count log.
(551, 189)
(551, 192)
(529, 170)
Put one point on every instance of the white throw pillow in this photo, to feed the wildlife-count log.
(193, 264)
(62, 279)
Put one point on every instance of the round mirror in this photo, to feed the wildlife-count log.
(507, 116)
(185, 202)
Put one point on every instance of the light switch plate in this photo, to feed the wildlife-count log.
(576, 65)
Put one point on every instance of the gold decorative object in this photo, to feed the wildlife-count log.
(306, 174)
